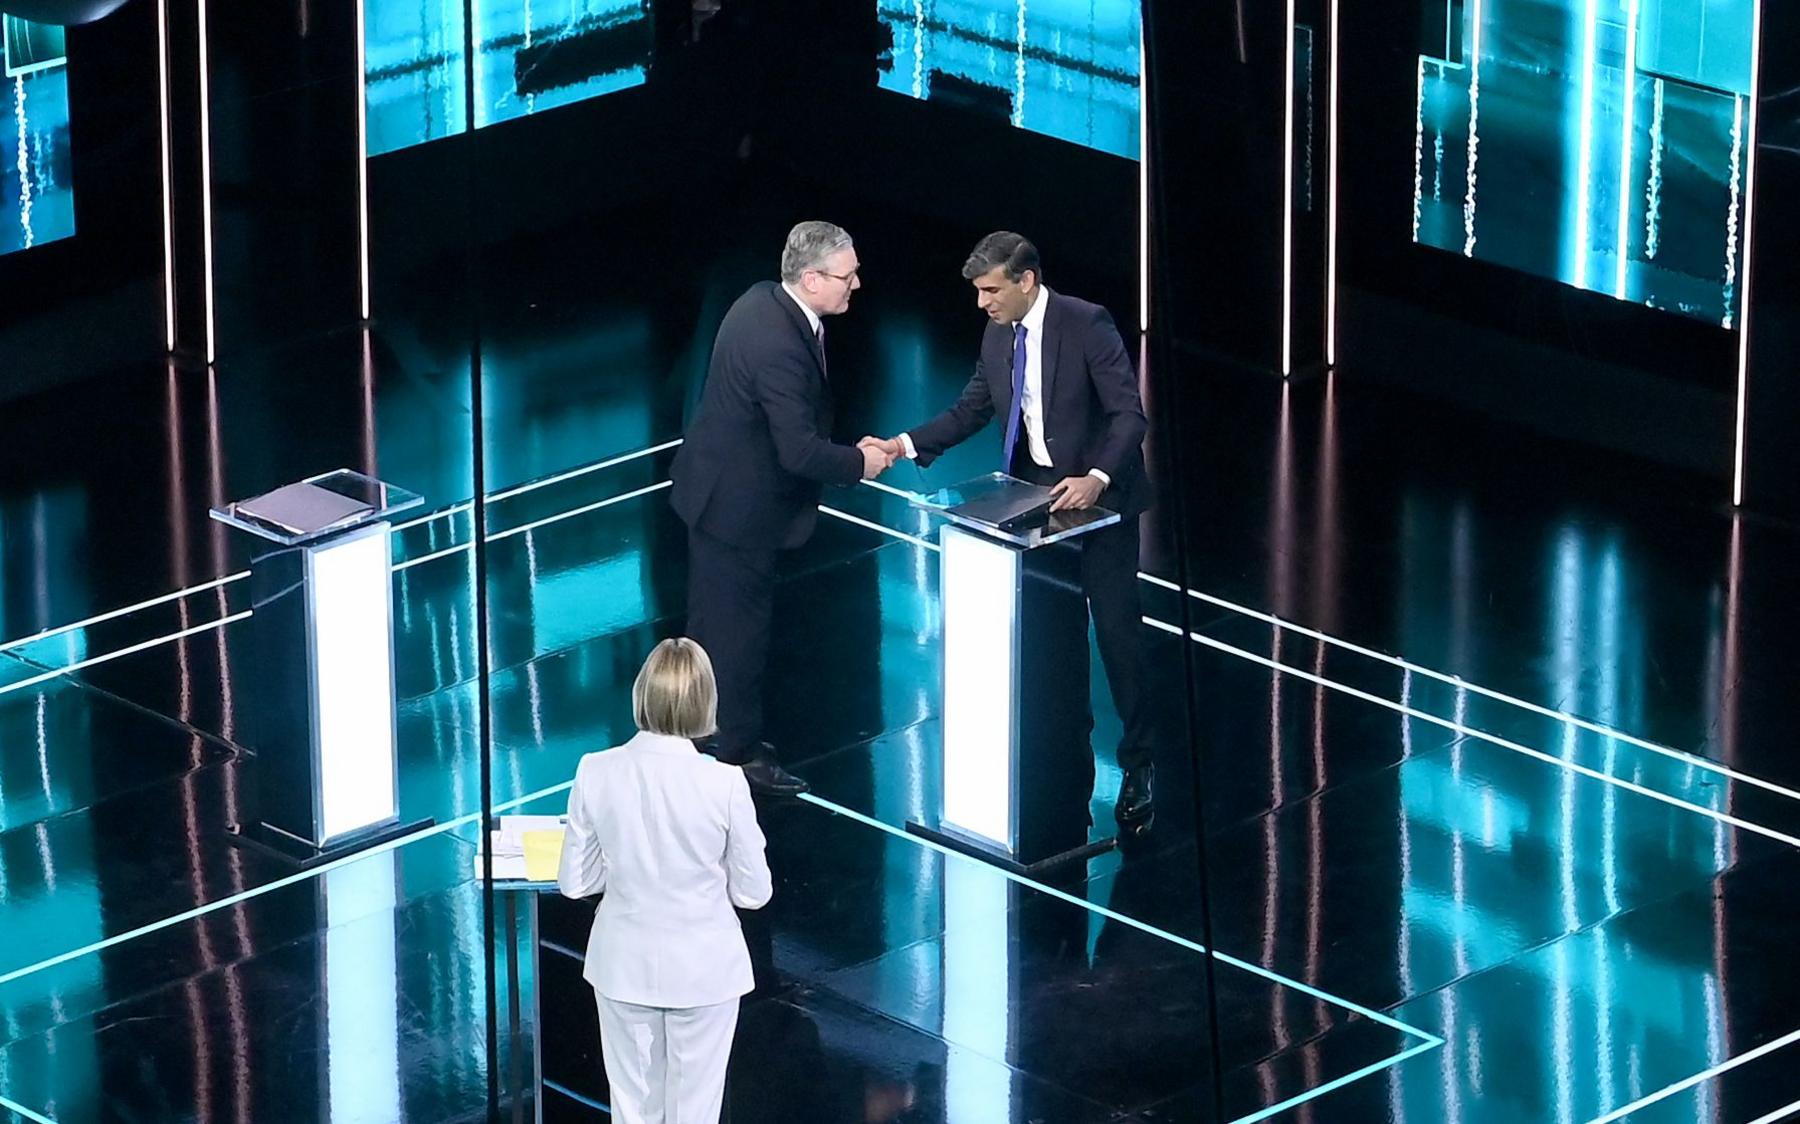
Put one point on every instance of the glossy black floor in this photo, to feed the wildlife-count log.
(1471, 851)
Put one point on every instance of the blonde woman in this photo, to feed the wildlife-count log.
(670, 837)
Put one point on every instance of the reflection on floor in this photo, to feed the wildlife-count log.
(1602, 148)
(1585, 919)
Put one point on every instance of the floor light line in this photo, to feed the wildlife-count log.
(1493, 739)
(1782, 1113)
(1339, 1083)
(888, 531)
(45, 634)
(1113, 915)
(1703, 1075)
(139, 647)
(1682, 756)
(582, 510)
(584, 470)
(279, 884)
(34, 1117)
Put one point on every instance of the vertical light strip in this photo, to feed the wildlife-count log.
(362, 155)
(168, 175)
(1629, 79)
(1474, 146)
(1737, 470)
(206, 200)
(1585, 156)
(1331, 200)
(1143, 181)
(1287, 202)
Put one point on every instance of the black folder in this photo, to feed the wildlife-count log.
(1014, 508)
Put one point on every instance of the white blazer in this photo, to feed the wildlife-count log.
(670, 837)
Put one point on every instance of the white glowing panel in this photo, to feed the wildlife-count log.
(362, 1006)
(978, 1004)
(980, 582)
(353, 681)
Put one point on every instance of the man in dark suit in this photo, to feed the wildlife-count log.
(749, 475)
(1055, 370)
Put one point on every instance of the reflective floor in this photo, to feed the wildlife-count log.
(1499, 813)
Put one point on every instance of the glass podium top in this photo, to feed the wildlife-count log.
(978, 491)
(327, 504)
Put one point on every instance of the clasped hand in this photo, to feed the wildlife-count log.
(879, 455)
(1076, 493)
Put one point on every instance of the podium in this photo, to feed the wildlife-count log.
(1017, 752)
(322, 714)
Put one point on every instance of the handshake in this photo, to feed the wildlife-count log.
(879, 454)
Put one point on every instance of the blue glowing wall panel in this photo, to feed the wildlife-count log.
(37, 202)
(1064, 68)
(534, 55)
(1601, 143)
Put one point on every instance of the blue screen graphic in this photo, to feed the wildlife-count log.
(39, 202)
(1601, 143)
(1065, 68)
(534, 55)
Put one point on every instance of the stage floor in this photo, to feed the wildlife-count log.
(1498, 809)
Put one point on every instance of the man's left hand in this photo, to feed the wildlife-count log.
(1076, 493)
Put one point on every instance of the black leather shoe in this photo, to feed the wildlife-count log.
(1137, 801)
(770, 779)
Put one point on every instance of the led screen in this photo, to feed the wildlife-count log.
(39, 203)
(534, 55)
(1600, 143)
(1064, 68)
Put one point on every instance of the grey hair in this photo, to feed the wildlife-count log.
(1012, 253)
(808, 245)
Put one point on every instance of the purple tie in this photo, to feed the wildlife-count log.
(1018, 398)
(819, 334)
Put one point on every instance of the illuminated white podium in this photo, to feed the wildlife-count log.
(1017, 754)
(321, 713)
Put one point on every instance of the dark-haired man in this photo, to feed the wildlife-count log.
(1055, 370)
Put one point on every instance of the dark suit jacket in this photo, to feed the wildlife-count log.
(759, 448)
(1093, 417)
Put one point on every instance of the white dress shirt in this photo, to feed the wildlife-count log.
(670, 837)
(1032, 400)
(1033, 397)
(812, 318)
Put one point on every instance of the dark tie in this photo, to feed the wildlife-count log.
(819, 334)
(1018, 398)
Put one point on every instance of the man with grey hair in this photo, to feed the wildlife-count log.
(750, 474)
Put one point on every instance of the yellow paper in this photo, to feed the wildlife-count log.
(543, 854)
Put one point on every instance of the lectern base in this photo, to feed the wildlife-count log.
(963, 845)
(295, 852)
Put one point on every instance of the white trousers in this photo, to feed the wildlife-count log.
(666, 1065)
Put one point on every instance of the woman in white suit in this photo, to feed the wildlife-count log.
(670, 837)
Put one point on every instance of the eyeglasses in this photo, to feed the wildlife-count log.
(846, 278)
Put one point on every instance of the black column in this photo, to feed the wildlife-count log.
(1771, 405)
(283, 81)
(1234, 285)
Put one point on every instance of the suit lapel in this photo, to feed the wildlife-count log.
(803, 326)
